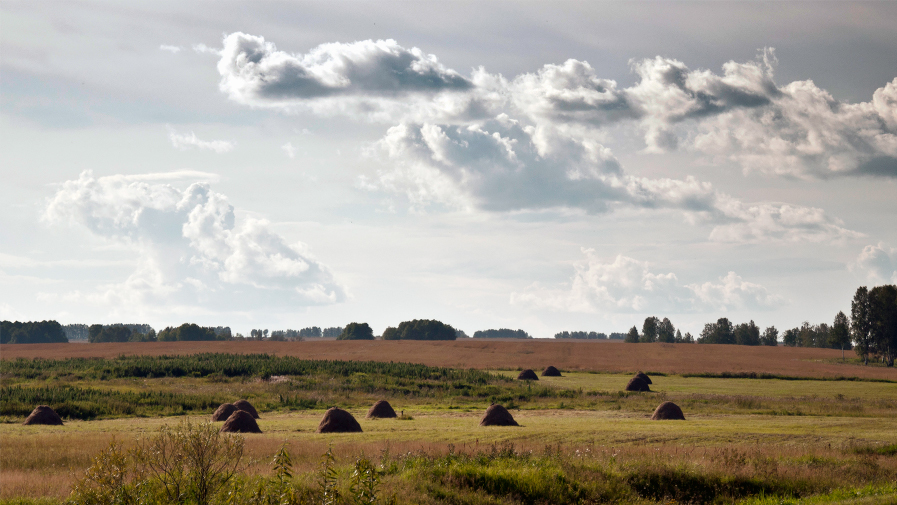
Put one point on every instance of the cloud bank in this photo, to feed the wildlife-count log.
(190, 247)
(535, 141)
(628, 285)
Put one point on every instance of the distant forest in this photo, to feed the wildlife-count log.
(591, 335)
(501, 333)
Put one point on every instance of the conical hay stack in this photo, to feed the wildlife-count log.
(637, 384)
(338, 421)
(551, 371)
(43, 414)
(246, 407)
(496, 415)
(240, 422)
(644, 377)
(668, 411)
(224, 411)
(528, 375)
(381, 409)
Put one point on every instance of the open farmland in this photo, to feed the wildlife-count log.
(582, 439)
(581, 356)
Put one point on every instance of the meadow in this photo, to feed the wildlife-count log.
(805, 437)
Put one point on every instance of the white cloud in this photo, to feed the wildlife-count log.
(364, 77)
(170, 49)
(289, 150)
(734, 292)
(190, 247)
(184, 141)
(534, 142)
(742, 114)
(628, 285)
(878, 262)
(204, 49)
(500, 165)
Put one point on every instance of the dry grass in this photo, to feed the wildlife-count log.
(566, 355)
(45, 461)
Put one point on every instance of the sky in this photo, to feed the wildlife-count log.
(547, 166)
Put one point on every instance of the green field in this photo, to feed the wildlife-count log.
(581, 439)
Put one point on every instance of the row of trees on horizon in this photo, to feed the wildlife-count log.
(871, 330)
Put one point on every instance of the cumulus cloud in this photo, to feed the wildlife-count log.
(170, 49)
(878, 263)
(360, 76)
(190, 247)
(734, 292)
(797, 129)
(628, 285)
(184, 141)
(501, 165)
(289, 150)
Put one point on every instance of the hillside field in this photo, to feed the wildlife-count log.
(495, 355)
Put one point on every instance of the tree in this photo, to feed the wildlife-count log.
(186, 332)
(423, 329)
(649, 330)
(720, 332)
(790, 337)
(861, 323)
(747, 334)
(883, 316)
(357, 331)
(632, 336)
(770, 336)
(839, 336)
(666, 332)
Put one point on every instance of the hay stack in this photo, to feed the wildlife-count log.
(43, 414)
(668, 411)
(224, 411)
(246, 407)
(644, 377)
(381, 409)
(527, 375)
(551, 371)
(240, 422)
(338, 421)
(496, 415)
(637, 384)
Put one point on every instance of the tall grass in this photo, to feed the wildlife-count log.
(228, 365)
(88, 403)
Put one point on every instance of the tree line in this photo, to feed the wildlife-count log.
(657, 330)
(32, 332)
(501, 333)
(590, 335)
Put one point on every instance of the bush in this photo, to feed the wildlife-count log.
(190, 462)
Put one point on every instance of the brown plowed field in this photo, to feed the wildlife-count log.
(535, 354)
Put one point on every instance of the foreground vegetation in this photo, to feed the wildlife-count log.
(749, 438)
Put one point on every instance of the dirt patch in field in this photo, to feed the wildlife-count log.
(471, 353)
